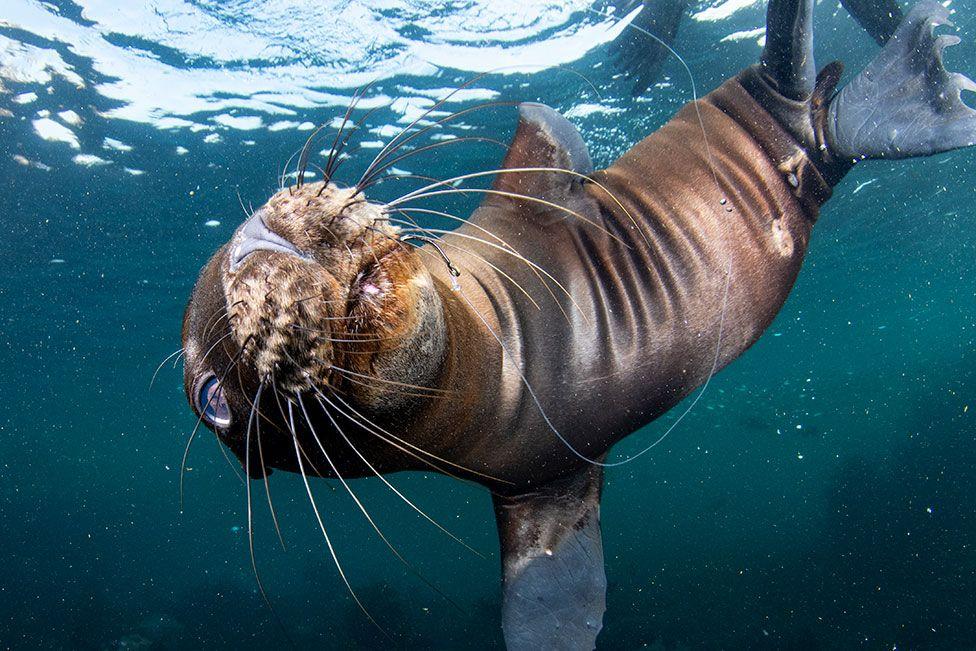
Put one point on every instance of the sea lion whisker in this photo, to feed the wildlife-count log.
(223, 313)
(353, 103)
(397, 390)
(212, 323)
(284, 414)
(173, 354)
(442, 392)
(216, 343)
(303, 157)
(325, 533)
(385, 162)
(511, 250)
(335, 156)
(359, 504)
(240, 200)
(436, 105)
(510, 195)
(433, 241)
(337, 340)
(284, 170)
(332, 150)
(267, 484)
(401, 177)
(507, 249)
(417, 448)
(319, 397)
(250, 513)
(520, 170)
(483, 259)
(368, 181)
(401, 448)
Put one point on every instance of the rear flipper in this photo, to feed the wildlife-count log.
(905, 103)
(879, 18)
(552, 563)
(638, 53)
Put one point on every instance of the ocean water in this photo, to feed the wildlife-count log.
(820, 495)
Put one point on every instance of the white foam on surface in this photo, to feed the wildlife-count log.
(585, 110)
(70, 117)
(723, 10)
(271, 60)
(243, 123)
(745, 35)
(111, 144)
(90, 160)
(28, 64)
(53, 131)
(282, 125)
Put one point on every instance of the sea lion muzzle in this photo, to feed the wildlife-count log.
(317, 279)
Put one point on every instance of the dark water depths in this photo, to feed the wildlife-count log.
(818, 496)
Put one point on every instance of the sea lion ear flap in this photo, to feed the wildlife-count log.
(544, 139)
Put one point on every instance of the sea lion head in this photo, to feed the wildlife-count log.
(315, 294)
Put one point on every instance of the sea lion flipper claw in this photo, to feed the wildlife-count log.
(552, 561)
(905, 103)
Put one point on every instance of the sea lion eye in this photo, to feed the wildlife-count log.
(212, 404)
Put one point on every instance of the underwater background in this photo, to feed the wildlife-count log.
(820, 495)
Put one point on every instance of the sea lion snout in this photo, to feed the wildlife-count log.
(254, 235)
(319, 289)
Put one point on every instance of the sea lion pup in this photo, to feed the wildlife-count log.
(318, 341)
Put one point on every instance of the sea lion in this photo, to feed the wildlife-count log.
(573, 306)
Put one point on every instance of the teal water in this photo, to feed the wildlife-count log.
(818, 496)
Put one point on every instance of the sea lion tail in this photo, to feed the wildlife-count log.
(904, 103)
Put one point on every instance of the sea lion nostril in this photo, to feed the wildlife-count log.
(255, 235)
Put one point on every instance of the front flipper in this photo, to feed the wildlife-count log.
(552, 562)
